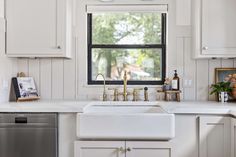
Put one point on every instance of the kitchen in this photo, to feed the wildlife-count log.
(61, 72)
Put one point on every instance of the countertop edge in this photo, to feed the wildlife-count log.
(76, 106)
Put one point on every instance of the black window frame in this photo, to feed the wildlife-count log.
(161, 46)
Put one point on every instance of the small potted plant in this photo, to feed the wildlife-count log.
(167, 84)
(222, 89)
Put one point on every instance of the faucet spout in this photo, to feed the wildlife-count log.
(104, 86)
(125, 94)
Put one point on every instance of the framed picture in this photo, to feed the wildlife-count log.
(225, 74)
(24, 88)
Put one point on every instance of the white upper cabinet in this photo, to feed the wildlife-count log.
(214, 33)
(38, 28)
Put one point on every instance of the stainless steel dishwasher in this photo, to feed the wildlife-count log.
(28, 135)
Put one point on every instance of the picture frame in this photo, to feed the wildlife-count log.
(221, 74)
(226, 74)
(23, 89)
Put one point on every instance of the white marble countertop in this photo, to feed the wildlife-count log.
(44, 106)
(199, 107)
(186, 107)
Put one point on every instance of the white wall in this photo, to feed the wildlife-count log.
(66, 79)
(7, 66)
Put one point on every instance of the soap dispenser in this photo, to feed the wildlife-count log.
(175, 81)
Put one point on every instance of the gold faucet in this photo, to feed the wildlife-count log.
(104, 97)
(125, 93)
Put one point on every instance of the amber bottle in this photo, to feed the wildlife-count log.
(175, 81)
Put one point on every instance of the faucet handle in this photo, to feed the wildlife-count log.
(116, 93)
(135, 93)
(146, 94)
(125, 95)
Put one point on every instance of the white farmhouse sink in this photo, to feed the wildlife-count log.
(125, 121)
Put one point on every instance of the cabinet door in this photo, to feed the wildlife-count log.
(99, 149)
(233, 137)
(35, 27)
(218, 27)
(148, 149)
(214, 136)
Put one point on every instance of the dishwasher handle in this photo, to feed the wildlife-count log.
(20, 120)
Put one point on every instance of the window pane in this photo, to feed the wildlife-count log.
(141, 64)
(126, 28)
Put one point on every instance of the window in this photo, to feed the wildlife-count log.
(132, 41)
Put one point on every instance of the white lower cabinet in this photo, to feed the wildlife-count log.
(196, 136)
(148, 149)
(214, 136)
(99, 149)
(122, 149)
(233, 137)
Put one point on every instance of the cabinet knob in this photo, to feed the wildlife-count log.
(59, 47)
(128, 149)
(205, 48)
(121, 149)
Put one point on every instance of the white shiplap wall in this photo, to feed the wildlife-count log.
(59, 78)
(56, 78)
(7, 66)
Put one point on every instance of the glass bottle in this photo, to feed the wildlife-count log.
(175, 81)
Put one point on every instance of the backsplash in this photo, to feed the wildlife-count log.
(58, 78)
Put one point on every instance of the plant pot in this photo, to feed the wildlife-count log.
(166, 87)
(223, 97)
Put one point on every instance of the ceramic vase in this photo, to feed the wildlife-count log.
(223, 97)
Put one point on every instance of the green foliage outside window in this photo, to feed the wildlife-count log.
(133, 29)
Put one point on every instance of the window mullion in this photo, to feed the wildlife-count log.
(163, 28)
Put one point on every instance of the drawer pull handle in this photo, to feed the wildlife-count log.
(21, 120)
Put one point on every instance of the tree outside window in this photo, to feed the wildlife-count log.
(132, 42)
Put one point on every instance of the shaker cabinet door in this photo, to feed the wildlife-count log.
(214, 30)
(218, 27)
(148, 149)
(233, 137)
(99, 149)
(214, 136)
(35, 28)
